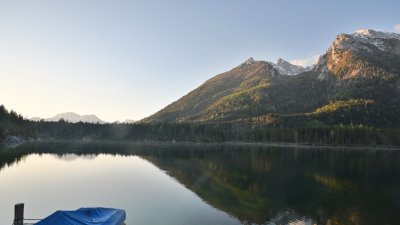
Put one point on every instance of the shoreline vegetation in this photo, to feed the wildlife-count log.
(12, 124)
(233, 143)
(192, 143)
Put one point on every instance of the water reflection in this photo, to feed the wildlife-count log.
(73, 156)
(260, 185)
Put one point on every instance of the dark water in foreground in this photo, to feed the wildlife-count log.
(204, 184)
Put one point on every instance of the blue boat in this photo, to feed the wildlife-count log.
(86, 216)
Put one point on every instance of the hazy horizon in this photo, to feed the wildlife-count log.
(127, 60)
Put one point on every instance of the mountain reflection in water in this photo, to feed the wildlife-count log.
(265, 185)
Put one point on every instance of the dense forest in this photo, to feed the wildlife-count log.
(310, 131)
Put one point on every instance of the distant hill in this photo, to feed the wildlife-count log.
(355, 82)
(72, 117)
(129, 121)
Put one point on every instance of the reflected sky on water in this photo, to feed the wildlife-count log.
(204, 184)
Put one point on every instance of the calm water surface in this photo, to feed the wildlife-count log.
(203, 184)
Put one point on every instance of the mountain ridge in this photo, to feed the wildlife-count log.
(72, 117)
(360, 67)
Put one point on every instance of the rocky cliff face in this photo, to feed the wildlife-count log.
(364, 53)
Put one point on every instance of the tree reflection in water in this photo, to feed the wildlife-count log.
(265, 185)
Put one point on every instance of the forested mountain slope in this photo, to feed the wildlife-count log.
(355, 81)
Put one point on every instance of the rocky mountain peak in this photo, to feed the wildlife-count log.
(367, 40)
(368, 33)
(281, 61)
(286, 68)
(362, 53)
(249, 61)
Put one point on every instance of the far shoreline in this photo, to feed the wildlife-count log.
(255, 144)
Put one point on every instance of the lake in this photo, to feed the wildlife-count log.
(203, 183)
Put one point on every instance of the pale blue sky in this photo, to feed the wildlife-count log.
(128, 59)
